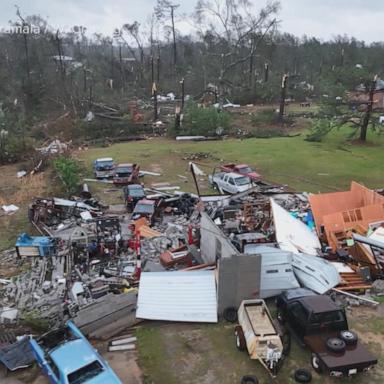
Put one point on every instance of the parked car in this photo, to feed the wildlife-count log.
(318, 323)
(144, 208)
(132, 194)
(230, 182)
(242, 169)
(125, 174)
(257, 334)
(66, 357)
(103, 167)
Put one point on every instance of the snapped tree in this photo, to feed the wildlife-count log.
(335, 114)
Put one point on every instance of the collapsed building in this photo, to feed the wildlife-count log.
(195, 258)
(242, 234)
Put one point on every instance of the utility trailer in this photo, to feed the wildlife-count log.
(258, 334)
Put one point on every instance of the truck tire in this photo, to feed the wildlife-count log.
(241, 344)
(280, 317)
(316, 363)
(334, 344)
(230, 314)
(286, 341)
(248, 379)
(277, 366)
(3, 371)
(349, 337)
(303, 376)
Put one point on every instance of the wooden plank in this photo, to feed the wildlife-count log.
(113, 329)
(104, 308)
(108, 319)
(354, 287)
(260, 322)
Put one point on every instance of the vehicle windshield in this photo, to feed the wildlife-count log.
(327, 317)
(85, 373)
(104, 164)
(245, 170)
(123, 170)
(136, 192)
(144, 208)
(242, 180)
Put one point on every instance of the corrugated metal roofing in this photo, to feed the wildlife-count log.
(178, 296)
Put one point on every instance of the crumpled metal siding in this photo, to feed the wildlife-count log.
(178, 296)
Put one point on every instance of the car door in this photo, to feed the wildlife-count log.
(43, 362)
(297, 316)
(231, 185)
(224, 182)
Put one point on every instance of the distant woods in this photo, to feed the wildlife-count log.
(236, 47)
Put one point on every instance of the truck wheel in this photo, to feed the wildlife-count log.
(303, 376)
(349, 337)
(280, 317)
(215, 186)
(230, 314)
(240, 338)
(277, 366)
(316, 363)
(3, 370)
(334, 344)
(248, 379)
(286, 341)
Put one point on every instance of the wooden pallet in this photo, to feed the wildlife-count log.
(352, 282)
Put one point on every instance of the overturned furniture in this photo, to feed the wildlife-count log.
(30, 246)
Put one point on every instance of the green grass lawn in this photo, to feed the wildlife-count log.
(171, 353)
(313, 167)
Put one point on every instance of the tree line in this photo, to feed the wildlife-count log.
(239, 52)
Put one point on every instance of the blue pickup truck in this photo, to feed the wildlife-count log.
(66, 357)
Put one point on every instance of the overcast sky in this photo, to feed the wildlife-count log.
(324, 19)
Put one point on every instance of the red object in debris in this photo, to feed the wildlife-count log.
(242, 169)
(190, 235)
(177, 256)
(137, 272)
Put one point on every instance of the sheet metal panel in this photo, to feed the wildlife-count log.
(276, 270)
(178, 296)
(315, 273)
(292, 234)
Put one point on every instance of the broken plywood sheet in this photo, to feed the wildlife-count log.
(142, 226)
(358, 196)
(362, 253)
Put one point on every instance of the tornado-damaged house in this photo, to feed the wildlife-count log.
(254, 242)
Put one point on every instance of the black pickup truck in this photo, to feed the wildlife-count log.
(318, 323)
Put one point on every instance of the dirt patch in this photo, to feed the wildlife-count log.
(155, 167)
(360, 143)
